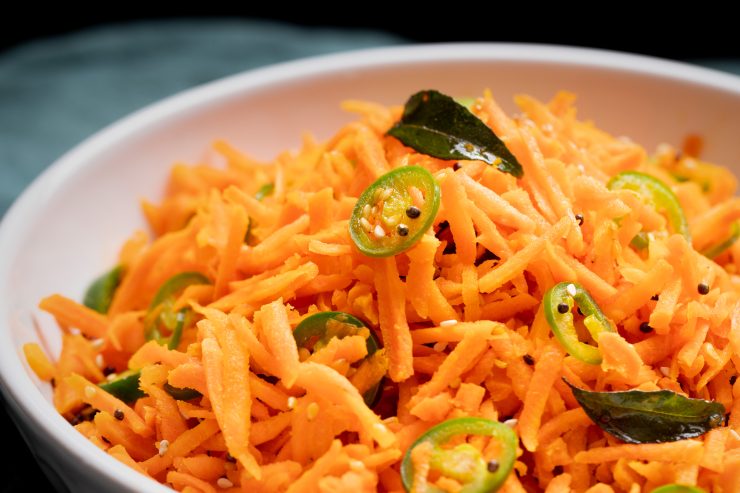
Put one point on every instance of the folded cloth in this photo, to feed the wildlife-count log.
(55, 92)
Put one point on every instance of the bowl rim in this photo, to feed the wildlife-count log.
(15, 381)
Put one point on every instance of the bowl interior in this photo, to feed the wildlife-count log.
(68, 226)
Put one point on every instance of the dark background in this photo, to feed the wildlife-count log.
(705, 30)
(705, 33)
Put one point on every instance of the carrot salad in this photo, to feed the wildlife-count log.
(440, 298)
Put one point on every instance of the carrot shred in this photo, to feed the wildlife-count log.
(457, 317)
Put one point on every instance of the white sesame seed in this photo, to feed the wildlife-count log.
(356, 465)
(547, 127)
(366, 224)
(735, 434)
(511, 422)
(224, 483)
(291, 402)
(99, 360)
(571, 289)
(112, 377)
(448, 323)
(379, 232)
(97, 343)
(665, 370)
(581, 168)
(74, 331)
(90, 391)
(163, 446)
(440, 346)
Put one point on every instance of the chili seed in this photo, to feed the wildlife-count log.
(528, 359)
(402, 230)
(579, 218)
(492, 466)
(118, 414)
(703, 288)
(413, 212)
(366, 224)
(563, 308)
(645, 328)
(733, 379)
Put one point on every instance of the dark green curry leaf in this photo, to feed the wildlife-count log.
(436, 125)
(100, 293)
(637, 416)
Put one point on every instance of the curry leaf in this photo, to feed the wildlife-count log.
(637, 416)
(436, 125)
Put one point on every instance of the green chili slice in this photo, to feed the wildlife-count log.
(161, 313)
(658, 194)
(395, 211)
(126, 387)
(463, 462)
(558, 305)
(715, 251)
(677, 488)
(100, 293)
(264, 191)
(315, 332)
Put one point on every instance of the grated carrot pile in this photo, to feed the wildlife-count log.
(462, 328)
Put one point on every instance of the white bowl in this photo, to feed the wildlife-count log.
(67, 226)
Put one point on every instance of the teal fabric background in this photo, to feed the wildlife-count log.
(56, 92)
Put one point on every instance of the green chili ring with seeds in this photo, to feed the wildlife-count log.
(558, 303)
(465, 463)
(384, 221)
(161, 313)
(322, 327)
(659, 195)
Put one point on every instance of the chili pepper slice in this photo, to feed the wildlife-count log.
(100, 293)
(677, 488)
(264, 191)
(322, 327)
(395, 211)
(558, 303)
(717, 250)
(463, 462)
(161, 312)
(126, 388)
(658, 194)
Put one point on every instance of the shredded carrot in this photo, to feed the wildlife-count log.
(455, 325)
(69, 313)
